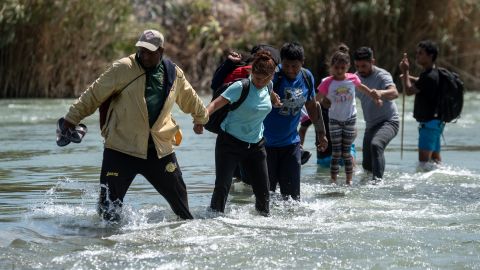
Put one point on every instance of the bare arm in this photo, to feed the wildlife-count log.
(216, 104)
(319, 97)
(375, 95)
(390, 93)
(364, 89)
(408, 86)
(315, 114)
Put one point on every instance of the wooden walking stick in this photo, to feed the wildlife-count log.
(403, 111)
(403, 124)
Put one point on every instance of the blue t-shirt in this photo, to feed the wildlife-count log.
(281, 124)
(246, 122)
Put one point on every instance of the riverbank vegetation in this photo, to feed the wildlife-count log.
(56, 48)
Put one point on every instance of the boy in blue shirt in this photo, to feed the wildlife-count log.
(294, 85)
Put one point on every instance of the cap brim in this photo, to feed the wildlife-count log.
(146, 45)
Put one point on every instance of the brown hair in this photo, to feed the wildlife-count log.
(263, 63)
(341, 56)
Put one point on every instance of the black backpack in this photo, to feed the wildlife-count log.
(228, 66)
(450, 100)
(217, 117)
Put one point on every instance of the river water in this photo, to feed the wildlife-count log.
(410, 220)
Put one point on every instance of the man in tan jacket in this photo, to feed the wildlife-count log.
(139, 92)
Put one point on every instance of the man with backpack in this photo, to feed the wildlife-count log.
(431, 89)
(295, 87)
(139, 130)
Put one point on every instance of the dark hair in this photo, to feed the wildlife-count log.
(363, 53)
(430, 48)
(263, 63)
(341, 56)
(272, 50)
(292, 51)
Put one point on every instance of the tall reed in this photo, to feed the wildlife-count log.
(53, 47)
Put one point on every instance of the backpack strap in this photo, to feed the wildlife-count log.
(243, 95)
(270, 87)
(171, 74)
(307, 81)
(279, 76)
(103, 108)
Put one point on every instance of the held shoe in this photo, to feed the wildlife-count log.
(78, 133)
(62, 139)
(305, 156)
(67, 135)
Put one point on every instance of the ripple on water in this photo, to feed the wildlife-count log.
(406, 221)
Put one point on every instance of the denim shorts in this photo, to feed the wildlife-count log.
(429, 135)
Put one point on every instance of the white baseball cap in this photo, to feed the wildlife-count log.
(151, 40)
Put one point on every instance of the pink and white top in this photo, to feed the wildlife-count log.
(342, 96)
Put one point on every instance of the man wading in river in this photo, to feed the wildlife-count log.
(139, 131)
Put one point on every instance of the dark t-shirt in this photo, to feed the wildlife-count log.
(155, 94)
(426, 100)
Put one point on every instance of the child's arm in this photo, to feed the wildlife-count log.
(373, 94)
(319, 97)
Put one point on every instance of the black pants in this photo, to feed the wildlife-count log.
(284, 169)
(119, 170)
(375, 141)
(229, 151)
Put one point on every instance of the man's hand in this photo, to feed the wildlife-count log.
(376, 94)
(67, 125)
(235, 57)
(322, 142)
(276, 101)
(68, 132)
(404, 64)
(198, 128)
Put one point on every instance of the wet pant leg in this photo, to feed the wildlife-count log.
(284, 164)
(255, 168)
(165, 175)
(227, 157)
(272, 157)
(118, 172)
(375, 141)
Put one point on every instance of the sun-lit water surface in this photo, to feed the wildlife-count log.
(411, 220)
